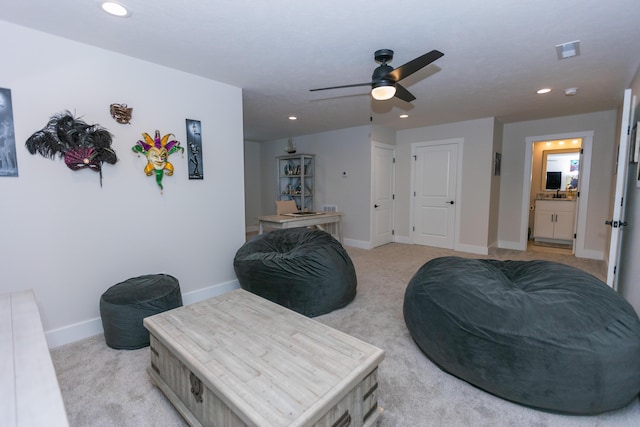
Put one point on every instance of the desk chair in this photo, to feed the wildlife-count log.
(286, 207)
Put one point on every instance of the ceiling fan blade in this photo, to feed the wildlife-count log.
(414, 65)
(340, 87)
(403, 93)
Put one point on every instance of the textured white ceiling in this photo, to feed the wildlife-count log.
(497, 54)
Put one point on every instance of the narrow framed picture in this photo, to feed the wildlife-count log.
(194, 148)
(8, 158)
(497, 160)
(634, 154)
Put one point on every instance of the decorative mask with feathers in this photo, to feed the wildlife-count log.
(80, 145)
(157, 150)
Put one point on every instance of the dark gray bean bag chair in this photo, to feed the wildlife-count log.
(124, 305)
(537, 333)
(305, 270)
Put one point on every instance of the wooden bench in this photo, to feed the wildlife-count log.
(28, 383)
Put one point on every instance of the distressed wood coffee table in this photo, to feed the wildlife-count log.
(241, 360)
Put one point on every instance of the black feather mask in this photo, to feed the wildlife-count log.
(80, 145)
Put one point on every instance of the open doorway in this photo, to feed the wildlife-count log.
(557, 228)
(555, 184)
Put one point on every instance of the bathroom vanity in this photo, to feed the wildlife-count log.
(554, 220)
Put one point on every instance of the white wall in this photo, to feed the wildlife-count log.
(68, 238)
(344, 150)
(494, 203)
(629, 267)
(477, 160)
(603, 125)
(491, 205)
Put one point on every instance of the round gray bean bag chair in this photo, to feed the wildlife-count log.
(305, 270)
(538, 333)
(124, 305)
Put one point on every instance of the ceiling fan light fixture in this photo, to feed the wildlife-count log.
(383, 90)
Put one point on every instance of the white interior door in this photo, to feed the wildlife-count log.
(618, 203)
(434, 207)
(382, 189)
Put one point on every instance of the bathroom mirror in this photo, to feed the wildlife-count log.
(560, 169)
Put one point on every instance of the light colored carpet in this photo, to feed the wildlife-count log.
(106, 387)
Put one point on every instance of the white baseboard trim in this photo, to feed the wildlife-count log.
(209, 292)
(590, 254)
(78, 331)
(516, 246)
(357, 243)
(472, 249)
(402, 239)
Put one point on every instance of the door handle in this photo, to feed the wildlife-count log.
(450, 202)
(375, 206)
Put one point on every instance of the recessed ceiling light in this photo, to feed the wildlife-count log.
(115, 9)
(293, 118)
(404, 116)
(543, 91)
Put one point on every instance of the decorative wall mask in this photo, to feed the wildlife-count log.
(121, 113)
(157, 150)
(80, 145)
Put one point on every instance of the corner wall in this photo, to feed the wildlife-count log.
(603, 125)
(70, 239)
(344, 150)
(252, 189)
(477, 177)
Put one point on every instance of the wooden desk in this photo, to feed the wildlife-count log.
(241, 360)
(286, 221)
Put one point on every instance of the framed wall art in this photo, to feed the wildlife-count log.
(194, 148)
(497, 160)
(8, 159)
(634, 154)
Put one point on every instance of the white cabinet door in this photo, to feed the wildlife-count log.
(563, 228)
(543, 225)
(554, 219)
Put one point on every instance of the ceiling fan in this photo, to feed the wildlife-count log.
(384, 81)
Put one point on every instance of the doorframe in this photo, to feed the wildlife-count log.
(459, 142)
(374, 145)
(583, 202)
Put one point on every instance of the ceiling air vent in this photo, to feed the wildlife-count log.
(568, 50)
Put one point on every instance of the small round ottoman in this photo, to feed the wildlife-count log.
(307, 271)
(538, 333)
(123, 306)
